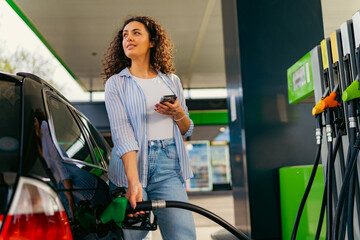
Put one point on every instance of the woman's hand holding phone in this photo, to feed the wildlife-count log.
(169, 105)
(168, 98)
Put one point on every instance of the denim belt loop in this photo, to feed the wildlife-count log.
(163, 144)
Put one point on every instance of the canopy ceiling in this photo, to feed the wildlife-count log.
(79, 32)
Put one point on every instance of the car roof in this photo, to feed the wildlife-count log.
(10, 77)
(21, 75)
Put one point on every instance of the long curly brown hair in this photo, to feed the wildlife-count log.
(161, 55)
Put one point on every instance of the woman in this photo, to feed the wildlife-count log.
(149, 158)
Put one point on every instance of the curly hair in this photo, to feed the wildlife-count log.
(161, 55)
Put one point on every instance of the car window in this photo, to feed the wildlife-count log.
(103, 148)
(10, 106)
(68, 134)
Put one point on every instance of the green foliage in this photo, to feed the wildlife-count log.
(24, 61)
(5, 66)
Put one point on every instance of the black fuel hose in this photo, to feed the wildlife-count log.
(306, 194)
(326, 188)
(344, 189)
(329, 211)
(322, 213)
(331, 159)
(350, 207)
(342, 227)
(324, 200)
(311, 180)
(159, 204)
(329, 173)
(345, 216)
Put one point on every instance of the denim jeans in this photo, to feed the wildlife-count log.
(165, 183)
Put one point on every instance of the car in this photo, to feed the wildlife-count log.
(53, 162)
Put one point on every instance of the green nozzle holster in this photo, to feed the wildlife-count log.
(351, 92)
(115, 211)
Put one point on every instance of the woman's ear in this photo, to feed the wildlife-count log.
(152, 44)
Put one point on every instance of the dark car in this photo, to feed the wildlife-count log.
(52, 162)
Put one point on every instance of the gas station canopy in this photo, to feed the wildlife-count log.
(79, 32)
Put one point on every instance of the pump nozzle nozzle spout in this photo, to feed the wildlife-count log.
(318, 109)
(330, 101)
(351, 92)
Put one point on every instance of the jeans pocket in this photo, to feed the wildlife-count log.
(171, 152)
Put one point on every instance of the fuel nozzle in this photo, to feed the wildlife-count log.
(115, 211)
(119, 208)
(318, 109)
(325, 104)
(351, 92)
(328, 102)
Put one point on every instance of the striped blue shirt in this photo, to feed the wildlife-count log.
(127, 111)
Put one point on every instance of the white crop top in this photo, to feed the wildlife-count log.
(159, 126)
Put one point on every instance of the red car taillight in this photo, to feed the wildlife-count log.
(35, 213)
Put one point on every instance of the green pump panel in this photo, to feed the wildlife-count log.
(300, 81)
(293, 182)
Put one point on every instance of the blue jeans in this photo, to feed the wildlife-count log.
(165, 183)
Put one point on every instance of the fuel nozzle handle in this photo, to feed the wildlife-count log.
(115, 211)
(120, 207)
(328, 102)
(318, 109)
(351, 92)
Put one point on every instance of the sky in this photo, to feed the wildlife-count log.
(15, 34)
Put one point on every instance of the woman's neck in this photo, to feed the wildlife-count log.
(142, 70)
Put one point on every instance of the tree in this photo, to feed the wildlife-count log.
(24, 61)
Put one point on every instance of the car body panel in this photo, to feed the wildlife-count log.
(43, 136)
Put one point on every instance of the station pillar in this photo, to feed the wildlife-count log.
(261, 41)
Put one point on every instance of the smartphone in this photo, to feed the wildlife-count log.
(168, 98)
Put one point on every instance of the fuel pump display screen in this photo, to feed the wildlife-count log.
(300, 82)
(301, 77)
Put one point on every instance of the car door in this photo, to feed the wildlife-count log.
(101, 148)
(71, 154)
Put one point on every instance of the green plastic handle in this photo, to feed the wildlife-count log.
(351, 92)
(115, 211)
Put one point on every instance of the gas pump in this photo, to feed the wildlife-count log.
(306, 84)
(350, 187)
(336, 77)
(346, 206)
(339, 75)
(330, 115)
